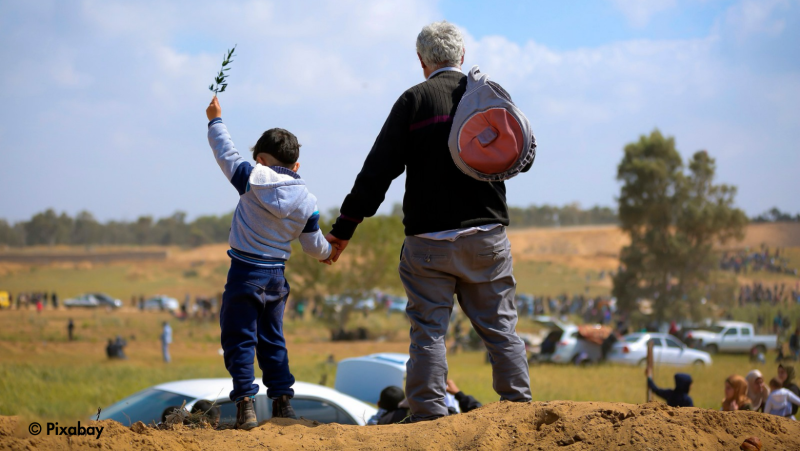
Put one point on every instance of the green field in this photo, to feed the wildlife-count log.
(43, 375)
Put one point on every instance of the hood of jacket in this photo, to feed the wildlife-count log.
(279, 190)
(683, 382)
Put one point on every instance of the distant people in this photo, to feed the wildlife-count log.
(39, 305)
(736, 394)
(389, 410)
(786, 375)
(677, 397)
(166, 339)
(781, 401)
(116, 348)
(70, 329)
(757, 390)
(54, 299)
(794, 344)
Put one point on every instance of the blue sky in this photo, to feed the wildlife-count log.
(103, 101)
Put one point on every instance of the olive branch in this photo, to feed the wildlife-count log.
(220, 79)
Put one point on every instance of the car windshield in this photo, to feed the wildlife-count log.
(145, 406)
(713, 329)
(632, 338)
(103, 297)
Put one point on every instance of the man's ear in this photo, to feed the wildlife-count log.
(296, 166)
(420, 60)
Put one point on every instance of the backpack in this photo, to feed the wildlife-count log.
(491, 139)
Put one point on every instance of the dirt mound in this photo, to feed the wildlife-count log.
(501, 425)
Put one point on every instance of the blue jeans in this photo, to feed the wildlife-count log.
(165, 351)
(251, 318)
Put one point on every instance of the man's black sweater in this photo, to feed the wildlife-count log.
(438, 195)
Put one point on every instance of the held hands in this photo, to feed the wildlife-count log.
(338, 246)
(214, 110)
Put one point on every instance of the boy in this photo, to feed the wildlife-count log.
(274, 208)
(780, 400)
(679, 397)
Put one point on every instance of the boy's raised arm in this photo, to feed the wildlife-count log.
(235, 168)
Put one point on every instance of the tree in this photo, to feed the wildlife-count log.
(674, 219)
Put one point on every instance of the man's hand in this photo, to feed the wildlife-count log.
(214, 110)
(452, 388)
(338, 245)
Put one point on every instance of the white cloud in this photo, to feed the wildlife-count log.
(750, 17)
(639, 12)
(113, 93)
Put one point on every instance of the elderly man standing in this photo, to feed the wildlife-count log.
(455, 231)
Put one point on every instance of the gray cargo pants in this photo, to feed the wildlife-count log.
(477, 268)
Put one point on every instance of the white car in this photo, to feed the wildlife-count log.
(667, 350)
(93, 300)
(160, 302)
(564, 343)
(311, 401)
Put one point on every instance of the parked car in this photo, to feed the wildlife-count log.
(565, 343)
(161, 302)
(733, 337)
(667, 350)
(365, 304)
(93, 300)
(311, 401)
(398, 304)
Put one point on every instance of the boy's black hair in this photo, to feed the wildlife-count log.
(279, 143)
(775, 384)
(390, 397)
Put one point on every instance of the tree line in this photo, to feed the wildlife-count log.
(50, 228)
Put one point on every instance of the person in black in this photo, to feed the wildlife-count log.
(456, 241)
(677, 397)
(70, 329)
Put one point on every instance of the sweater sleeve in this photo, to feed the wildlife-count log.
(769, 406)
(794, 399)
(384, 163)
(235, 168)
(313, 241)
(664, 393)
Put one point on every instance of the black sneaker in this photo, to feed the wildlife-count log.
(282, 408)
(246, 413)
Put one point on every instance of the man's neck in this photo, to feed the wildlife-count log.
(427, 72)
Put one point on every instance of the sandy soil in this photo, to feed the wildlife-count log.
(501, 425)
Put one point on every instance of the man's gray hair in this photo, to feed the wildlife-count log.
(440, 45)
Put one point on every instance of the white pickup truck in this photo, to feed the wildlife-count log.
(732, 337)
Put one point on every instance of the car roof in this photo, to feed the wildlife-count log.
(733, 324)
(219, 388)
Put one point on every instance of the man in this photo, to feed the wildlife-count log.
(166, 339)
(455, 231)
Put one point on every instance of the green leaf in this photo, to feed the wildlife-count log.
(211, 87)
(223, 88)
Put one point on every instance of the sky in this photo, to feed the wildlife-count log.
(102, 106)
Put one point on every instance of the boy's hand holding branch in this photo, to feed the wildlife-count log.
(214, 110)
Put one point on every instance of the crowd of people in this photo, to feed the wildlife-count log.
(35, 299)
(781, 396)
(759, 292)
(593, 309)
(748, 261)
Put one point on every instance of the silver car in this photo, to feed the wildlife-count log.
(93, 300)
(667, 350)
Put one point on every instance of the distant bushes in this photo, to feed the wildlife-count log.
(49, 228)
